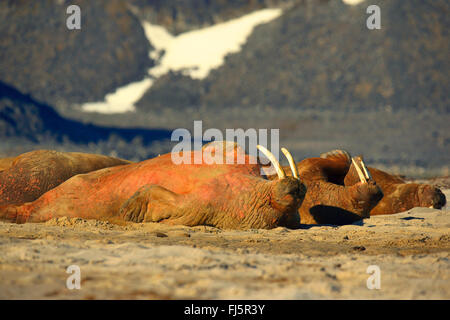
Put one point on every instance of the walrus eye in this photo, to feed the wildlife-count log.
(292, 164)
(280, 172)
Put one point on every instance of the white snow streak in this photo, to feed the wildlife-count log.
(195, 53)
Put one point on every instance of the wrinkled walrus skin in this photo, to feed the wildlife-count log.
(400, 196)
(233, 196)
(29, 175)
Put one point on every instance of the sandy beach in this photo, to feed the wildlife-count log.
(155, 261)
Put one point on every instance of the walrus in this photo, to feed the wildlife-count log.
(330, 199)
(28, 176)
(232, 196)
(399, 195)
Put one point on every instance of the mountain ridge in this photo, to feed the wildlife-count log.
(321, 55)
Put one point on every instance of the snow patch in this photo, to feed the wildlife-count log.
(122, 100)
(352, 2)
(195, 53)
(202, 50)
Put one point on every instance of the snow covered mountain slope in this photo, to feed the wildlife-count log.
(194, 52)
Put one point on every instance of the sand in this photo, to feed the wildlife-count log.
(155, 261)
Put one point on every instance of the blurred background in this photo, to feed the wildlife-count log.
(139, 69)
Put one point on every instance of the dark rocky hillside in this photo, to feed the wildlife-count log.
(24, 120)
(180, 15)
(41, 57)
(320, 55)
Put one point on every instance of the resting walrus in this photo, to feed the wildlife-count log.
(331, 200)
(399, 195)
(328, 200)
(157, 190)
(28, 176)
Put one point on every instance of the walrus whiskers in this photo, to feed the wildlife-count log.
(360, 173)
(280, 172)
(291, 163)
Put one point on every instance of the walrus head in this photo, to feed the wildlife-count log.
(366, 193)
(366, 196)
(287, 193)
(430, 196)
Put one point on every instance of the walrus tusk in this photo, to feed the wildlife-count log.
(358, 170)
(280, 172)
(292, 164)
(366, 172)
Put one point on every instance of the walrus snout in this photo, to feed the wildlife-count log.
(288, 193)
(375, 191)
(370, 191)
(431, 197)
(368, 196)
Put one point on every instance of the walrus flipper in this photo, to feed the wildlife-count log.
(151, 203)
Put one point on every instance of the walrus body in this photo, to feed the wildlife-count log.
(399, 195)
(328, 200)
(28, 176)
(157, 190)
(335, 194)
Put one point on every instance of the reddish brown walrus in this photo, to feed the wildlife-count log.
(29, 175)
(327, 200)
(330, 199)
(157, 190)
(399, 195)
